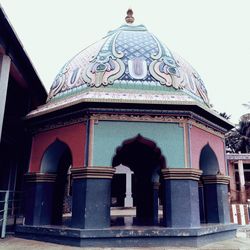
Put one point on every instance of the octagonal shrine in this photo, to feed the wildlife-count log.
(127, 150)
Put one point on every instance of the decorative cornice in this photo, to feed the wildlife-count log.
(181, 120)
(206, 128)
(40, 177)
(102, 96)
(181, 174)
(235, 156)
(175, 116)
(145, 118)
(57, 124)
(216, 179)
(93, 173)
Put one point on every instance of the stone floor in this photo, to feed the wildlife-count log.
(241, 242)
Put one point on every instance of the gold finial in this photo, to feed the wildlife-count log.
(129, 18)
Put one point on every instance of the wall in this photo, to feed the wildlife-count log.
(198, 139)
(108, 135)
(233, 191)
(73, 135)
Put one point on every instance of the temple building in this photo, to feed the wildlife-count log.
(239, 171)
(127, 123)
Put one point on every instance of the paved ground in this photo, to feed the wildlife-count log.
(12, 243)
(241, 242)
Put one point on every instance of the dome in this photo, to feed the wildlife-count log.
(129, 64)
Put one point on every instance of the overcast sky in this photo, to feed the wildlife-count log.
(212, 35)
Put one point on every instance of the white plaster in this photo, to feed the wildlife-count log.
(242, 215)
(241, 175)
(235, 219)
(128, 201)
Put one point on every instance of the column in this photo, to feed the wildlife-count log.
(91, 197)
(242, 182)
(156, 186)
(201, 202)
(181, 198)
(216, 198)
(231, 173)
(128, 202)
(5, 62)
(39, 198)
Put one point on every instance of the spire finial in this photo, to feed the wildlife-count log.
(129, 18)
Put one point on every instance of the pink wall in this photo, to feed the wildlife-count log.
(74, 136)
(199, 138)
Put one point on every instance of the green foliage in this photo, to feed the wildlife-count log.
(238, 139)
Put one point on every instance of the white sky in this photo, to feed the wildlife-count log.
(212, 35)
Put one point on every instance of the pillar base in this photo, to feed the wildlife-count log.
(91, 197)
(216, 198)
(38, 198)
(181, 199)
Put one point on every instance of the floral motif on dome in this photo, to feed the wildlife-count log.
(190, 80)
(128, 57)
(164, 66)
(105, 67)
(72, 73)
(136, 45)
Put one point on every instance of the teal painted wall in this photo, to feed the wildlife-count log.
(108, 135)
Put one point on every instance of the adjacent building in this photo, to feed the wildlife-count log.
(20, 92)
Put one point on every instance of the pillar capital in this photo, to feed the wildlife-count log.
(156, 185)
(200, 184)
(181, 174)
(93, 173)
(216, 179)
(40, 177)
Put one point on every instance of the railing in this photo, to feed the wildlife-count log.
(9, 209)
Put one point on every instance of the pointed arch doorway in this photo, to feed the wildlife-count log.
(57, 160)
(214, 207)
(145, 160)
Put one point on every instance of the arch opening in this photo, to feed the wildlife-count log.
(57, 159)
(208, 161)
(145, 160)
(209, 165)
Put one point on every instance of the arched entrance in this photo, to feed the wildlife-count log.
(144, 158)
(213, 189)
(57, 160)
(208, 161)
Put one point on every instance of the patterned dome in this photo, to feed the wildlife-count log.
(128, 63)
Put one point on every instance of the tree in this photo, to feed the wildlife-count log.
(238, 139)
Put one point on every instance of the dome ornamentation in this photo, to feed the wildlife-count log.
(105, 67)
(129, 57)
(129, 18)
